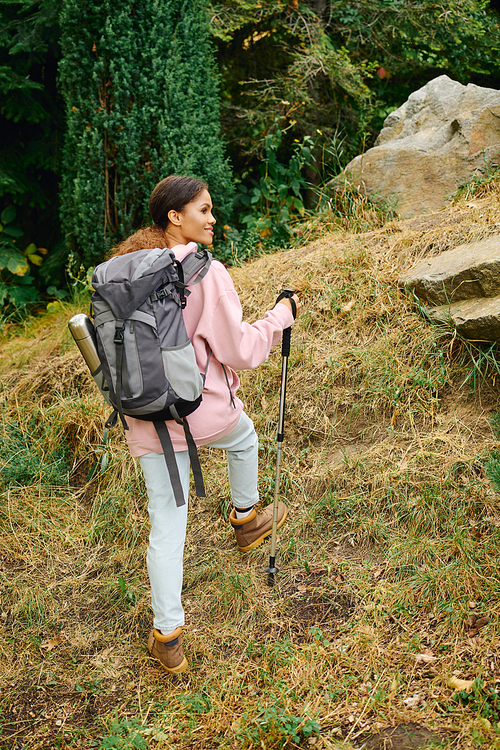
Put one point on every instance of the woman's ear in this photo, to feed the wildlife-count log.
(175, 218)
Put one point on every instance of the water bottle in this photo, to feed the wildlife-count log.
(83, 332)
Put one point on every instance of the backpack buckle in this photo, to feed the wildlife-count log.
(119, 335)
(161, 294)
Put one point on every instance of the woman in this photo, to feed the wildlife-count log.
(181, 209)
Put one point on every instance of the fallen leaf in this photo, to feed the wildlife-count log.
(339, 579)
(302, 588)
(481, 622)
(458, 684)
(393, 688)
(472, 605)
(471, 620)
(52, 643)
(347, 308)
(378, 573)
(425, 658)
(403, 463)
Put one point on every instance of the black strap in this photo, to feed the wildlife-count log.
(181, 286)
(165, 291)
(118, 341)
(288, 294)
(195, 461)
(111, 420)
(229, 387)
(285, 342)
(173, 469)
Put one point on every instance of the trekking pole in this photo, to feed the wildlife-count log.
(285, 352)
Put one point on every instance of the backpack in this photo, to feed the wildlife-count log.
(149, 368)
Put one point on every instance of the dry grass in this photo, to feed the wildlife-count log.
(390, 548)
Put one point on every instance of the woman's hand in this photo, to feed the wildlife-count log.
(286, 301)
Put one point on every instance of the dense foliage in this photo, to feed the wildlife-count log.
(32, 124)
(141, 95)
(340, 67)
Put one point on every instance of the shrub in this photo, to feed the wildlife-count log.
(141, 97)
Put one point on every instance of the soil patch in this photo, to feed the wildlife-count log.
(314, 599)
(404, 737)
(327, 612)
(43, 712)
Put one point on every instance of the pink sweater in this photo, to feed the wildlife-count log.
(213, 319)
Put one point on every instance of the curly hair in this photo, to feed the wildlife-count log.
(146, 238)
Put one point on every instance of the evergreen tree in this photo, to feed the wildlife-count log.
(141, 93)
(31, 120)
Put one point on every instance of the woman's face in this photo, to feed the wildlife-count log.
(195, 222)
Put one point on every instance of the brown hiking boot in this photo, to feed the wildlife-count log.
(252, 530)
(168, 650)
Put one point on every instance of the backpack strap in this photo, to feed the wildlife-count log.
(173, 469)
(118, 341)
(194, 459)
(111, 420)
(196, 263)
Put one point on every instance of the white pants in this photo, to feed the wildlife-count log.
(168, 522)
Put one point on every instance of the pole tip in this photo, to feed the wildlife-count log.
(271, 570)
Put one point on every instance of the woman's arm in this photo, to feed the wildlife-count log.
(242, 345)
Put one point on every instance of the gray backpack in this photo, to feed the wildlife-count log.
(148, 363)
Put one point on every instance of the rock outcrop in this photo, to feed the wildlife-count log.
(463, 287)
(441, 137)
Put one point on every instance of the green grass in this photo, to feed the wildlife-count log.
(391, 544)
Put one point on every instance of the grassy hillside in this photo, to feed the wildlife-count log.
(383, 623)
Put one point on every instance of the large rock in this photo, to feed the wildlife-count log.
(465, 272)
(476, 319)
(443, 135)
(463, 287)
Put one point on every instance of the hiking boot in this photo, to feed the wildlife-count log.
(168, 650)
(252, 530)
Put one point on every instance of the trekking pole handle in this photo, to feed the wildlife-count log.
(285, 342)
